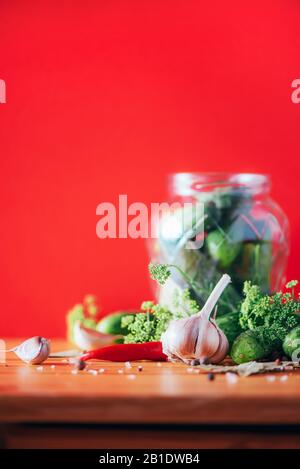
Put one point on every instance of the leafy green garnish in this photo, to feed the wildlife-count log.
(184, 304)
(147, 326)
(272, 316)
(159, 272)
(292, 284)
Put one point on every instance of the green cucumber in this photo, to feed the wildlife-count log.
(111, 324)
(221, 249)
(247, 347)
(291, 344)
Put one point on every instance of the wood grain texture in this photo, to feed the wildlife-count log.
(158, 394)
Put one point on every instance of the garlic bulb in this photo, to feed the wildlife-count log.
(198, 336)
(89, 339)
(34, 350)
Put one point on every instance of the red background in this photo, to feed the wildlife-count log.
(107, 97)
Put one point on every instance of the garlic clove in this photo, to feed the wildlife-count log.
(223, 348)
(89, 339)
(208, 340)
(34, 350)
(183, 344)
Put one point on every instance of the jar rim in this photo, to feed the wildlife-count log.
(188, 183)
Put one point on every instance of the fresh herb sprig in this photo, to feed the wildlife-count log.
(161, 273)
(147, 326)
(271, 316)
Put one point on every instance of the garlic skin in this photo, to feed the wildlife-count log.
(198, 336)
(89, 339)
(34, 350)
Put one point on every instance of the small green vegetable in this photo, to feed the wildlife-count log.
(221, 248)
(291, 344)
(111, 324)
(254, 261)
(249, 346)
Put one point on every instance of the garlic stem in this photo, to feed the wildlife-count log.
(214, 297)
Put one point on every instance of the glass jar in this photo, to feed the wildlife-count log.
(238, 230)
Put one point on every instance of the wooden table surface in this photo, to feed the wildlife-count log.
(160, 393)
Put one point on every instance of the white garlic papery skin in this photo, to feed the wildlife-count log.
(198, 337)
(34, 350)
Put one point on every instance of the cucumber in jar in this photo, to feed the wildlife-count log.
(221, 249)
(254, 263)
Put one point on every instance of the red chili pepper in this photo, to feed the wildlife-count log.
(127, 352)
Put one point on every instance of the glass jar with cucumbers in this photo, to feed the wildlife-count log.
(220, 223)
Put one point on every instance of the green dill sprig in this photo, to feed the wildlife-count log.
(273, 316)
(161, 273)
(292, 284)
(147, 326)
(184, 304)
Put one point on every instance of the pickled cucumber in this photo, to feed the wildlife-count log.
(111, 324)
(291, 344)
(249, 346)
(221, 249)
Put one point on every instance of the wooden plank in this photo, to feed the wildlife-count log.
(164, 393)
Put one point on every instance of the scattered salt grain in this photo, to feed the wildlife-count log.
(158, 364)
(93, 372)
(52, 366)
(120, 372)
(39, 368)
(128, 365)
(101, 370)
(271, 378)
(74, 372)
(189, 370)
(132, 377)
(283, 378)
(231, 378)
